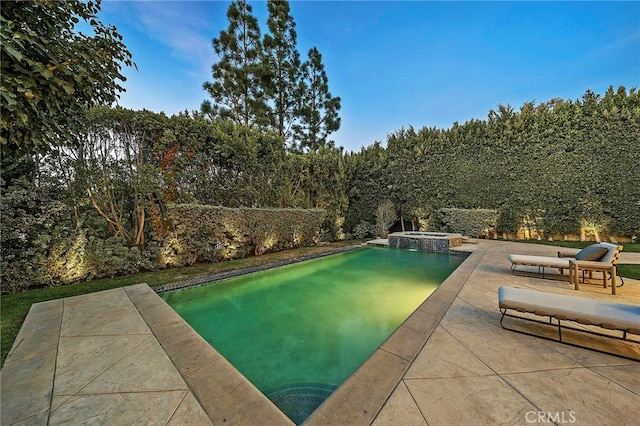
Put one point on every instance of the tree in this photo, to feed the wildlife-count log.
(238, 78)
(405, 173)
(113, 173)
(318, 110)
(284, 67)
(51, 72)
(385, 216)
(366, 184)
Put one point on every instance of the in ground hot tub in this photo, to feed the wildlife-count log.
(426, 241)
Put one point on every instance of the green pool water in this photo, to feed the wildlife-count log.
(298, 331)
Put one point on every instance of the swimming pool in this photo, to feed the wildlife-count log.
(297, 332)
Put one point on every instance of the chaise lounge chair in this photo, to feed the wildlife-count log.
(606, 315)
(606, 254)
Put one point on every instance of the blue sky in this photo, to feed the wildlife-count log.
(401, 63)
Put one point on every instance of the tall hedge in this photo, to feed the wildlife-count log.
(560, 166)
(58, 253)
(102, 205)
(212, 233)
(469, 222)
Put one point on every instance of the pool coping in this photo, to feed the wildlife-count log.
(356, 401)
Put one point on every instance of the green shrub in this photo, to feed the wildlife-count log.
(363, 230)
(211, 233)
(470, 222)
(62, 254)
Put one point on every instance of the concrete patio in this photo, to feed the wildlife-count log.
(125, 357)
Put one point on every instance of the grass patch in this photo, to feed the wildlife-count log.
(14, 307)
(629, 271)
(628, 247)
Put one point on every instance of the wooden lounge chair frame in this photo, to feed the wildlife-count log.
(567, 261)
(524, 301)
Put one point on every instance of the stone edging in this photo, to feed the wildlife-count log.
(197, 281)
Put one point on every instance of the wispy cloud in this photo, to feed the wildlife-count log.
(171, 43)
(185, 27)
(624, 42)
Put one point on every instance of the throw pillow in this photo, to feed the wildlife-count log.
(593, 252)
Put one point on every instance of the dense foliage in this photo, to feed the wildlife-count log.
(470, 222)
(282, 62)
(101, 207)
(238, 90)
(51, 72)
(559, 167)
(211, 233)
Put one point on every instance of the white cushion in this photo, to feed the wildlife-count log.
(547, 261)
(614, 316)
